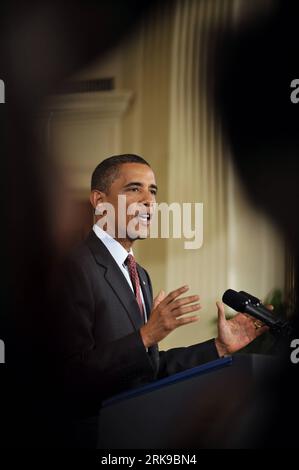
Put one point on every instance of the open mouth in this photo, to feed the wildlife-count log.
(144, 219)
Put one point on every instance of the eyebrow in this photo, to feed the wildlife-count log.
(140, 185)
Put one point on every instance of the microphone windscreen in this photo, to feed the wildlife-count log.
(234, 300)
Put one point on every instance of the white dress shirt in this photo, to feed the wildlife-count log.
(120, 254)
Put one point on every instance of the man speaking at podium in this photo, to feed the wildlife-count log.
(109, 324)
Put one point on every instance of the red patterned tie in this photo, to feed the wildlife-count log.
(132, 267)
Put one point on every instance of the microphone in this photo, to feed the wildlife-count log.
(246, 303)
(258, 303)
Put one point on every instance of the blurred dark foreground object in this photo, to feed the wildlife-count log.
(41, 44)
(255, 67)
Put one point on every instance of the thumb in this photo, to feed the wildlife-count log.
(221, 314)
(159, 298)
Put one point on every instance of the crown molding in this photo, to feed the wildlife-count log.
(99, 104)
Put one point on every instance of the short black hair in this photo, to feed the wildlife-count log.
(107, 171)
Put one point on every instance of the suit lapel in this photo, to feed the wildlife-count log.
(115, 279)
(118, 283)
(145, 290)
(153, 350)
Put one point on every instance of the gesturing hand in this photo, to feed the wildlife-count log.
(236, 333)
(168, 314)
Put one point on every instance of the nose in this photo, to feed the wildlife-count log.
(148, 198)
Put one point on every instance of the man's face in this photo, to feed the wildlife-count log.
(137, 183)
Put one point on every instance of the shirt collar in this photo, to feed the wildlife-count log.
(117, 251)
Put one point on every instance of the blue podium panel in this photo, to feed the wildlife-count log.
(202, 407)
(172, 379)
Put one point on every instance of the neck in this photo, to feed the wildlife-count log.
(127, 244)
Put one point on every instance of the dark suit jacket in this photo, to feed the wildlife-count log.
(98, 329)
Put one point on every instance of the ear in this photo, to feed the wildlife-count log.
(96, 197)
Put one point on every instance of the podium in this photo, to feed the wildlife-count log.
(214, 405)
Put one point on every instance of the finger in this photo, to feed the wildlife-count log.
(269, 307)
(183, 310)
(221, 314)
(187, 320)
(159, 298)
(258, 323)
(262, 330)
(183, 301)
(173, 295)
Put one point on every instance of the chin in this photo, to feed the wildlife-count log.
(138, 236)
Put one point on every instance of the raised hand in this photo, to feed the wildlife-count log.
(168, 314)
(236, 333)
